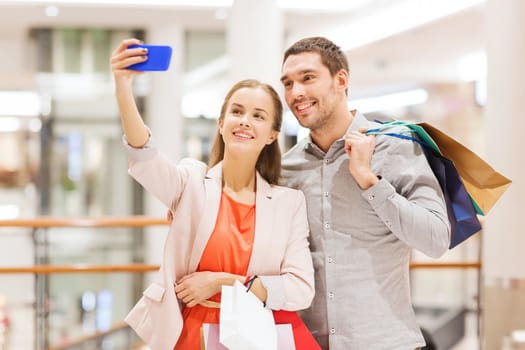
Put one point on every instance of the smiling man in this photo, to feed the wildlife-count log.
(370, 200)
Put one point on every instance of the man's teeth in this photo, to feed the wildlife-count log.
(303, 106)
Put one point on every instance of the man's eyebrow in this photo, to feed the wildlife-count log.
(303, 72)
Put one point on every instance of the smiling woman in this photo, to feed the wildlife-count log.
(213, 210)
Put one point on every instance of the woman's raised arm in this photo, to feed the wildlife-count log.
(136, 132)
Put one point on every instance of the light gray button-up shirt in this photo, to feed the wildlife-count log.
(361, 239)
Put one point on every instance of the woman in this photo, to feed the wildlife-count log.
(230, 220)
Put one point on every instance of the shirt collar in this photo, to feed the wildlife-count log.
(359, 121)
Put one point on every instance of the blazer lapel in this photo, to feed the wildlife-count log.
(213, 188)
(263, 223)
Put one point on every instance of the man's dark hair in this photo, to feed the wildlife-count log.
(331, 55)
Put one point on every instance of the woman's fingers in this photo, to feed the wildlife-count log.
(123, 63)
(124, 45)
(124, 57)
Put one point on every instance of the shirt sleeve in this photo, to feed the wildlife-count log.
(409, 200)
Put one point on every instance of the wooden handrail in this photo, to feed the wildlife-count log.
(137, 221)
(116, 327)
(81, 268)
(47, 221)
(446, 265)
(50, 269)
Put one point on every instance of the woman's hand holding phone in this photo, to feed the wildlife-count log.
(133, 56)
(158, 58)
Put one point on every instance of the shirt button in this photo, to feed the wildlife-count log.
(327, 160)
(325, 194)
(330, 260)
(332, 330)
(327, 225)
(371, 197)
(331, 295)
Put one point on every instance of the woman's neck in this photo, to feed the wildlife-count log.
(239, 180)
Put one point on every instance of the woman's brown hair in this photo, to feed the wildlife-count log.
(269, 161)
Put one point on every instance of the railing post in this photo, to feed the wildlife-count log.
(40, 243)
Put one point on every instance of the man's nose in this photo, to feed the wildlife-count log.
(297, 90)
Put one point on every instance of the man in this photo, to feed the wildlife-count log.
(370, 201)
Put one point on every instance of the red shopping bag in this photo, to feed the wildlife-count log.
(303, 339)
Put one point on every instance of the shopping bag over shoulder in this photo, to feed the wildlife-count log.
(484, 184)
(461, 207)
(245, 324)
(461, 212)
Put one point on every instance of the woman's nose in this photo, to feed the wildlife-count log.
(245, 120)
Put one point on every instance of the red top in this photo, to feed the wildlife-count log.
(228, 250)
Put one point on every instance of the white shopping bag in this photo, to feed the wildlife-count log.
(210, 337)
(245, 324)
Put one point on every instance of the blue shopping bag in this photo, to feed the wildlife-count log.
(461, 211)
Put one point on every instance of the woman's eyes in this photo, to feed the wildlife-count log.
(238, 112)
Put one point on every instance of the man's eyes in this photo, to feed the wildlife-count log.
(289, 84)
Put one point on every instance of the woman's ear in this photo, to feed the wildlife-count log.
(273, 137)
(220, 124)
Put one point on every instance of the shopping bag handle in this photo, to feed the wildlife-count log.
(379, 131)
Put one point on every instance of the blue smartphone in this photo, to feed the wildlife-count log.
(159, 57)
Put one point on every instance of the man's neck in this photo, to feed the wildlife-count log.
(336, 129)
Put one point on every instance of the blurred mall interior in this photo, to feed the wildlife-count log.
(79, 239)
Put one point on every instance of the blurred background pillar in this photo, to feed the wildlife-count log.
(503, 290)
(254, 40)
(164, 117)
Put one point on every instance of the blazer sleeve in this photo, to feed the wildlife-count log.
(159, 176)
(294, 288)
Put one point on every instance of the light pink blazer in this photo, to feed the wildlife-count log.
(280, 255)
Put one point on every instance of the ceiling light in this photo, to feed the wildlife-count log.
(9, 211)
(391, 20)
(20, 104)
(51, 11)
(390, 101)
(472, 66)
(316, 5)
(131, 3)
(9, 124)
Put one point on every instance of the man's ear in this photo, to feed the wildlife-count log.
(342, 78)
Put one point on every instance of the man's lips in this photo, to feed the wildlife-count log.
(303, 106)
